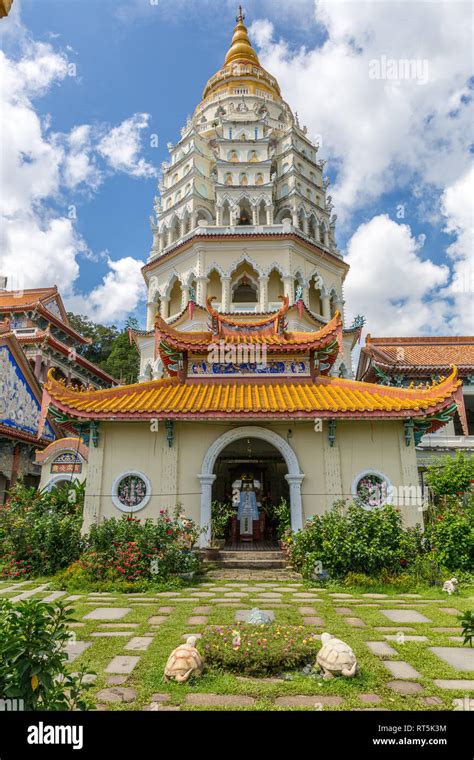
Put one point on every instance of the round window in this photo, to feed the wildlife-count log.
(131, 491)
(372, 489)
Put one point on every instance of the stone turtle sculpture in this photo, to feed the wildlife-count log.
(336, 658)
(184, 662)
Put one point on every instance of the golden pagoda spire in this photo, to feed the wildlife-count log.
(241, 48)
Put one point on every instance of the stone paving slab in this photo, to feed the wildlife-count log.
(355, 622)
(28, 594)
(450, 610)
(453, 683)
(306, 610)
(405, 616)
(107, 613)
(138, 643)
(342, 596)
(381, 648)
(116, 680)
(202, 610)
(446, 629)
(458, 657)
(117, 625)
(313, 620)
(343, 610)
(405, 687)
(53, 596)
(375, 596)
(219, 700)
(198, 620)
(165, 610)
(303, 700)
(400, 669)
(187, 635)
(117, 694)
(122, 664)
(370, 698)
(391, 628)
(157, 619)
(74, 649)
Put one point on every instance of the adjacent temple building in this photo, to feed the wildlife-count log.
(246, 374)
(35, 335)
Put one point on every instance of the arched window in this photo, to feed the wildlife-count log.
(372, 489)
(243, 180)
(284, 190)
(245, 291)
(228, 179)
(259, 179)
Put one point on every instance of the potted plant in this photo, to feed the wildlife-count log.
(220, 515)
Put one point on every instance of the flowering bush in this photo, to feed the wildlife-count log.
(40, 531)
(258, 649)
(354, 539)
(450, 534)
(129, 551)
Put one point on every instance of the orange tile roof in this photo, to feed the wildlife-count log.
(11, 299)
(423, 351)
(328, 396)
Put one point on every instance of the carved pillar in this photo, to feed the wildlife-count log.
(184, 297)
(38, 366)
(305, 288)
(218, 216)
(296, 504)
(326, 304)
(225, 293)
(269, 211)
(254, 216)
(289, 287)
(294, 218)
(201, 289)
(150, 314)
(263, 290)
(161, 241)
(206, 499)
(165, 308)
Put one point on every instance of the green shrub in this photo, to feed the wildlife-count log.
(258, 649)
(40, 531)
(221, 512)
(467, 624)
(450, 534)
(357, 540)
(448, 476)
(33, 660)
(282, 515)
(129, 550)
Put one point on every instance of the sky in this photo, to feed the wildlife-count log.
(92, 91)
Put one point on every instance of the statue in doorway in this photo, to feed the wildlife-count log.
(247, 510)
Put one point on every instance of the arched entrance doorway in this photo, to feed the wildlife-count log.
(208, 476)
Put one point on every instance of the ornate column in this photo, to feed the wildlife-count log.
(225, 293)
(218, 216)
(296, 504)
(161, 241)
(151, 308)
(255, 216)
(165, 307)
(305, 288)
(294, 218)
(263, 290)
(326, 304)
(184, 297)
(269, 211)
(289, 287)
(339, 305)
(201, 294)
(206, 499)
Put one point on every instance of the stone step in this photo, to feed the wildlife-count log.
(252, 564)
(229, 554)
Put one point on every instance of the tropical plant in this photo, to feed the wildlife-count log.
(450, 533)
(33, 657)
(448, 476)
(467, 624)
(40, 531)
(221, 512)
(354, 539)
(282, 514)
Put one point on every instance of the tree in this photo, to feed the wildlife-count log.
(123, 361)
(448, 475)
(102, 338)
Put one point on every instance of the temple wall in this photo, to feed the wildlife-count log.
(329, 471)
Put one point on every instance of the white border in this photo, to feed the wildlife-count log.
(123, 507)
(379, 474)
(60, 477)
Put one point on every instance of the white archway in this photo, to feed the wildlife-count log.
(207, 477)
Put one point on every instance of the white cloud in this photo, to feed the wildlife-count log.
(118, 294)
(381, 133)
(39, 167)
(121, 147)
(390, 284)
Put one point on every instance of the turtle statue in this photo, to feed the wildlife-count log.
(258, 617)
(184, 662)
(336, 658)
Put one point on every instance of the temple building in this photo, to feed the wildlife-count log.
(401, 362)
(41, 325)
(246, 383)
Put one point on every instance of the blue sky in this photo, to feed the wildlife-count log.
(139, 71)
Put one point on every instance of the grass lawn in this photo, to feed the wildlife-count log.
(354, 615)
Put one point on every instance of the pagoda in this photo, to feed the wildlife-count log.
(246, 383)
